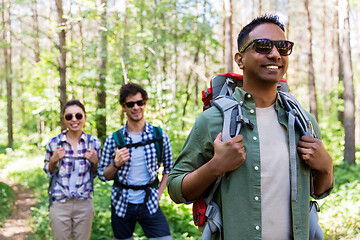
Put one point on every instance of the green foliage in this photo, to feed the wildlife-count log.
(340, 212)
(6, 202)
(333, 138)
(3, 160)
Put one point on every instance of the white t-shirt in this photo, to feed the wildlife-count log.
(275, 176)
(138, 174)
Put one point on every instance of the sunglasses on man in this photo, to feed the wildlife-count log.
(70, 116)
(132, 104)
(265, 46)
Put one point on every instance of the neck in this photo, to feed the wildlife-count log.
(135, 127)
(73, 135)
(264, 95)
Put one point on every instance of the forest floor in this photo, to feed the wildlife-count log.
(16, 226)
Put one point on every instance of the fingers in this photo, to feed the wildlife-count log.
(122, 155)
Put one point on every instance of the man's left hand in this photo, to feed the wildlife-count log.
(313, 152)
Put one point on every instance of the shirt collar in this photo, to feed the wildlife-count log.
(241, 96)
(146, 128)
(63, 136)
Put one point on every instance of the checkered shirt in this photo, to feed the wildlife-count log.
(65, 166)
(119, 196)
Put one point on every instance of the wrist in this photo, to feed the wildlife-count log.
(114, 164)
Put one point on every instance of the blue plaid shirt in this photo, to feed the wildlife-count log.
(152, 166)
(65, 166)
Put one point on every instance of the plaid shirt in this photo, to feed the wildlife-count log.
(150, 156)
(65, 166)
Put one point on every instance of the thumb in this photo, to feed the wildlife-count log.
(218, 138)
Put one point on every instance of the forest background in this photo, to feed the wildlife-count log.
(54, 51)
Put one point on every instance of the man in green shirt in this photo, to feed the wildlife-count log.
(254, 195)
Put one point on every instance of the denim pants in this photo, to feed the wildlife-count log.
(155, 225)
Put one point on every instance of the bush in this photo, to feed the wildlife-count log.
(6, 201)
(340, 212)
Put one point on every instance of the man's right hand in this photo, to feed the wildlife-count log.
(229, 155)
(121, 156)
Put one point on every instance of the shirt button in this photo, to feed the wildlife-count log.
(252, 111)
(241, 102)
(248, 96)
(257, 227)
(254, 138)
(256, 168)
(256, 198)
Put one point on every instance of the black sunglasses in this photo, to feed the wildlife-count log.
(265, 46)
(132, 104)
(70, 116)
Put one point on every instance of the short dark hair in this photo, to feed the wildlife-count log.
(131, 89)
(266, 18)
(72, 103)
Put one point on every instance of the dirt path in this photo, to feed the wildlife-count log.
(16, 226)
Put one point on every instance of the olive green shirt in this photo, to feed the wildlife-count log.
(237, 194)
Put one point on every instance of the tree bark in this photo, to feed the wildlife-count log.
(36, 32)
(101, 94)
(62, 58)
(311, 76)
(228, 36)
(347, 75)
(8, 68)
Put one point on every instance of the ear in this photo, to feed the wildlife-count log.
(239, 59)
(123, 107)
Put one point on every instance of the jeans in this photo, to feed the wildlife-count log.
(155, 226)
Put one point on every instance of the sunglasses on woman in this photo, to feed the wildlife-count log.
(70, 116)
(265, 46)
(132, 104)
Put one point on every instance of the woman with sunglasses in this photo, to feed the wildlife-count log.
(71, 163)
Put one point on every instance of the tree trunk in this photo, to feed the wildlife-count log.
(347, 75)
(62, 58)
(36, 32)
(224, 33)
(101, 94)
(311, 76)
(8, 68)
(228, 35)
(357, 94)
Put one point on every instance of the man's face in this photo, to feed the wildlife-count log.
(136, 112)
(259, 67)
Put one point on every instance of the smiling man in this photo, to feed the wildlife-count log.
(254, 195)
(132, 157)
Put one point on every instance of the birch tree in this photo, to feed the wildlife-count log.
(347, 76)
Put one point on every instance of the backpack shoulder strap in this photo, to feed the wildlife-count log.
(90, 145)
(158, 136)
(119, 138)
(232, 116)
(90, 141)
(297, 119)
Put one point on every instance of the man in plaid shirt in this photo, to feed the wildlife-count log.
(134, 169)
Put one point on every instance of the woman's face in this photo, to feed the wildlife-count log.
(74, 118)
